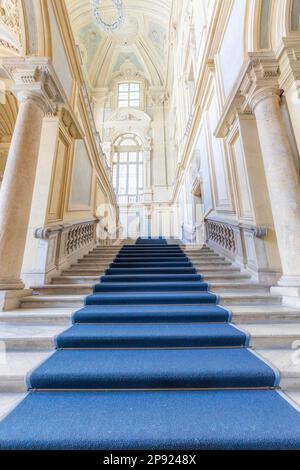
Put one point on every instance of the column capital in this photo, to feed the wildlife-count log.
(33, 79)
(261, 81)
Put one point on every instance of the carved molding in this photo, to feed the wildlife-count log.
(11, 38)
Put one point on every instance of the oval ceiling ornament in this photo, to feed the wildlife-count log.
(108, 27)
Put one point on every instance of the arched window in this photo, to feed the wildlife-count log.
(128, 168)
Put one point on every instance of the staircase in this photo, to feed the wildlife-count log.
(156, 326)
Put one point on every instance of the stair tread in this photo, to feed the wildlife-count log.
(156, 335)
(252, 420)
(121, 369)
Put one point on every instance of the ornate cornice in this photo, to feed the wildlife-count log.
(33, 79)
(260, 81)
(290, 65)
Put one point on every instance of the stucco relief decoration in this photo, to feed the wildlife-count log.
(116, 24)
(158, 97)
(129, 71)
(157, 36)
(10, 27)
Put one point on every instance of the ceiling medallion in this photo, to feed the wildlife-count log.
(108, 27)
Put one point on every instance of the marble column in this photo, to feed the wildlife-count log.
(17, 189)
(37, 94)
(282, 180)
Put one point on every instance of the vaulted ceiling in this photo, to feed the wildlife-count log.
(143, 38)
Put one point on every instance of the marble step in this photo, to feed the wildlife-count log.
(79, 271)
(90, 280)
(17, 365)
(254, 314)
(219, 270)
(85, 289)
(236, 286)
(27, 337)
(250, 314)
(53, 301)
(226, 276)
(36, 316)
(287, 363)
(94, 279)
(205, 257)
(86, 264)
(273, 336)
(42, 337)
(227, 298)
(99, 256)
(20, 363)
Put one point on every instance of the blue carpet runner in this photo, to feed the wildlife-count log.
(152, 362)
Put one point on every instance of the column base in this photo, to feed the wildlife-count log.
(289, 288)
(10, 299)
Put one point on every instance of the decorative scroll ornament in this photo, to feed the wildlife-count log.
(108, 27)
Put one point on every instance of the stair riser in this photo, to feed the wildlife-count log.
(266, 342)
(58, 320)
(20, 344)
(39, 303)
(262, 317)
(87, 272)
(237, 288)
(52, 304)
(290, 383)
(13, 385)
(80, 280)
(72, 290)
(250, 301)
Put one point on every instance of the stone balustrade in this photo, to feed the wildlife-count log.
(246, 245)
(62, 245)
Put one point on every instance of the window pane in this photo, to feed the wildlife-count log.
(132, 183)
(135, 104)
(122, 179)
(141, 176)
(124, 87)
(134, 87)
(123, 104)
(132, 157)
(123, 157)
